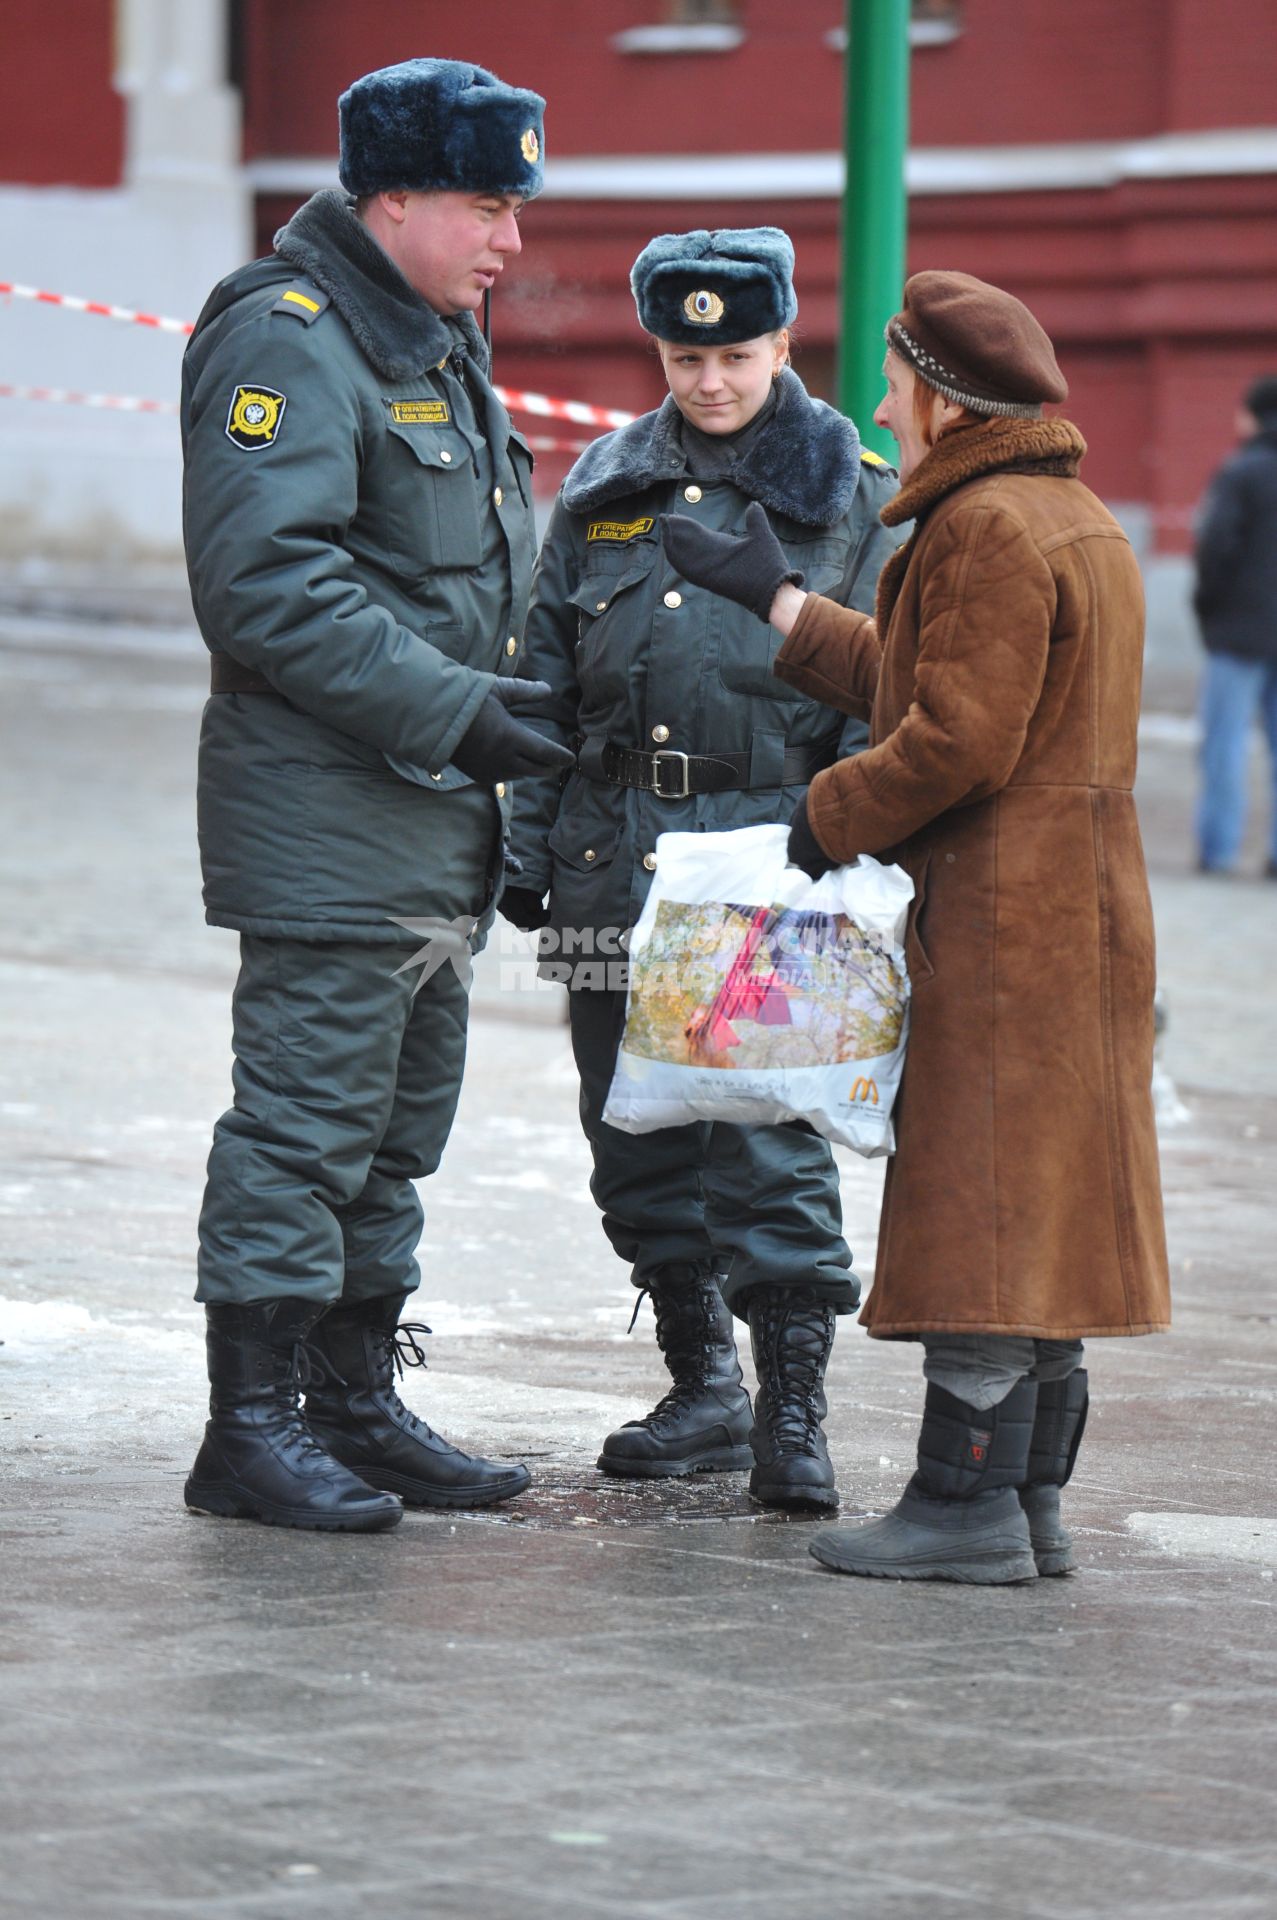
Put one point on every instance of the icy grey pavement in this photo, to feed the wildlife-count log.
(606, 1700)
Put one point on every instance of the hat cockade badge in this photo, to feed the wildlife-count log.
(530, 146)
(703, 308)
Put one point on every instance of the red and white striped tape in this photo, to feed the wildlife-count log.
(102, 307)
(130, 403)
(580, 412)
(117, 402)
(539, 444)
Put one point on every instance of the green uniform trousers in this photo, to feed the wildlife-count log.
(761, 1202)
(345, 1090)
(346, 1082)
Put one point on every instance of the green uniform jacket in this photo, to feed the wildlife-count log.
(358, 522)
(637, 656)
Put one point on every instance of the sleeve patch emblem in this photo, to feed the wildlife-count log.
(617, 530)
(420, 413)
(255, 416)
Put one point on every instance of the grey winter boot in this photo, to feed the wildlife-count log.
(259, 1459)
(1057, 1435)
(792, 1336)
(356, 1412)
(702, 1424)
(959, 1518)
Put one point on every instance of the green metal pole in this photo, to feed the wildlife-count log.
(874, 219)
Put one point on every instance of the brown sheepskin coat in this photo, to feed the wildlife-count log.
(1001, 679)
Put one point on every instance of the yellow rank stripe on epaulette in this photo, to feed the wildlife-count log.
(873, 459)
(306, 307)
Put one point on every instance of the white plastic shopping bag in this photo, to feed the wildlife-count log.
(757, 995)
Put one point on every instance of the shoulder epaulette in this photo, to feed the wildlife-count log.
(880, 471)
(303, 301)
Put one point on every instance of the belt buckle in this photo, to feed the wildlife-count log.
(669, 753)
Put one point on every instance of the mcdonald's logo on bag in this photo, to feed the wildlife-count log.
(865, 1090)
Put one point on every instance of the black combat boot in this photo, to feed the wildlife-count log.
(1057, 1435)
(792, 1335)
(702, 1424)
(959, 1518)
(259, 1460)
(355, 1411)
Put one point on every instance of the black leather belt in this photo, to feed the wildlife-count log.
(671, 775)
(227, 676)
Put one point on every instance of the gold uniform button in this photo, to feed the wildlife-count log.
(600, 606)
(649, 861)
(436, 776)
(673, 599)
(512, 646)
(590, 854)
(692, 493)
(500, 789)
(660, 734)
(498, 495)
(446, 457)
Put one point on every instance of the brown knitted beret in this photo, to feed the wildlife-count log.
(976, 345)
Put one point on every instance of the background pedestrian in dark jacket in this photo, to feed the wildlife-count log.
(683, 726)
(1236, 602)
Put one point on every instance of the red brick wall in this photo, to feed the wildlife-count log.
(61, 121)
(1021, 71)
(1221, 64)
(1161, 295)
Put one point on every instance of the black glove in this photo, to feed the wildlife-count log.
(804, 850)
(524, 908)
(748, 570)
(496, 747)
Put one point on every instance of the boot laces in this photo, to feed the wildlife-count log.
(302, 1367)
(670, 1405)
(405, 1348)
(298, 1369)
(401, 1345)
(672, 1402)
(797, 1350)
(685, 1331)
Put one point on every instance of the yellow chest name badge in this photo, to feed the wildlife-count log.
(617, 530)
(420, 413)
(255, 417)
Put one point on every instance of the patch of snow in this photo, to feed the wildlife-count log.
(1215, 1536)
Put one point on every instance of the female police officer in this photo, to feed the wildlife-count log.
(681, 725)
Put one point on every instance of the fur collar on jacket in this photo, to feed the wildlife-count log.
(398, 331)
(1018, 446)
(994, 446)
(806, 464)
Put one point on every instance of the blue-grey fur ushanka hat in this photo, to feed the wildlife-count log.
(431, 125)
(710, 289)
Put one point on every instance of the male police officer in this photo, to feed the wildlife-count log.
(359, 540)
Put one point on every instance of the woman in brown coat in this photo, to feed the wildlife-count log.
(1001, 678)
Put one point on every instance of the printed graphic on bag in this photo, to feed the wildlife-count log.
(755, 987)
